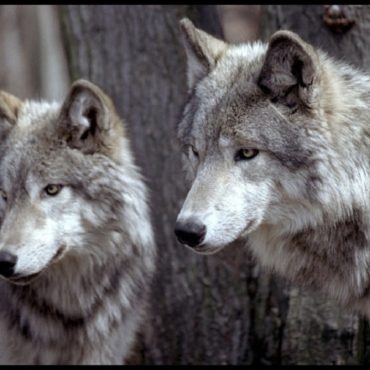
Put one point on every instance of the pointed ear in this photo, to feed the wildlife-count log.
(9, 107)
(202, 51)
(88, 120)
(290, 70)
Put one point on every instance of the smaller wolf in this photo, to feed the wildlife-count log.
(276, 138)
(76, 244)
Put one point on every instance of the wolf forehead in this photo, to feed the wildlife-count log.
(227, 93)
(34, 144)
(35, 130)
(228, 103)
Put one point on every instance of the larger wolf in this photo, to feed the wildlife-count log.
(76, 243)
(276, 138)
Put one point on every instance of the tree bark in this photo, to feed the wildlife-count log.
(318, 331)
(32, 62)
(351, 46)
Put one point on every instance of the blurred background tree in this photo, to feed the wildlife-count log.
(33, 62)
(220, 309)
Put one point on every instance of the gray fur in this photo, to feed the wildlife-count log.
(303, 201)
(88, 301)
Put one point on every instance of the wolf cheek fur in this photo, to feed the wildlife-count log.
(74, 217)
(303, 200)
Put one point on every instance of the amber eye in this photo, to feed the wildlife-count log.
(3, 194)
(245, 154)
(53, 189)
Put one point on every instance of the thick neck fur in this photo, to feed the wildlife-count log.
(344, 184)
(322, 239)
(77, 310)
(82, 307)
(85, 308)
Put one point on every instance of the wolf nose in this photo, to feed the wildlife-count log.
(7, 263)
(190, 233)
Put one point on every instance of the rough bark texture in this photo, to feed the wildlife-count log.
(218, 309)
(351, 46)
(319, 331)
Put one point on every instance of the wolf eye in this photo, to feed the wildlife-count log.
(245, 154)
(53, 189)
(3, 194)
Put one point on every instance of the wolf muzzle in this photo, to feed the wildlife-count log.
(191, 232)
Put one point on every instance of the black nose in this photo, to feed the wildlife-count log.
(7, 263)
(190, 232)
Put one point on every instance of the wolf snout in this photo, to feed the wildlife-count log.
(7, 263)
(191, 232)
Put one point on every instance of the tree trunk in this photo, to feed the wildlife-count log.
(310, 22)
(220, 309)
(317, 330)
(32, 61)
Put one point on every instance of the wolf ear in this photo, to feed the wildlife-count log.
(9, 107)
(202, 51)
(87, 117)
(290, 70)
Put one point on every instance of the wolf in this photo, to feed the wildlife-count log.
(76, 244)
(276, 144)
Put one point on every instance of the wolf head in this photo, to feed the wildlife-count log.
(245, 134)
(62, 185)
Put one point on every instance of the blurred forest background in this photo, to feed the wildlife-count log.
(220, 309)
